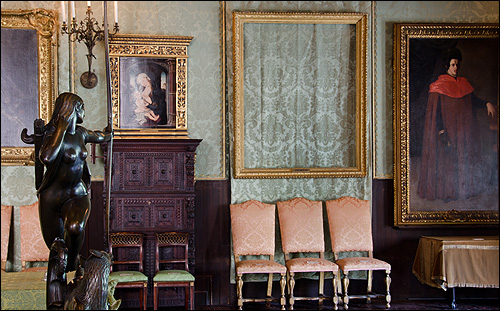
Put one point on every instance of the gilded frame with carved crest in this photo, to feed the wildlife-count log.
(149, 85)
(40, 26)
(457, 190)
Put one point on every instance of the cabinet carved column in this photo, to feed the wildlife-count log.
(152, 190)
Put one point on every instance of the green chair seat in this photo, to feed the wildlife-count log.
(127, 276)
(173, 276)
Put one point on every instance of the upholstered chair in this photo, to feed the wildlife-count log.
(253, 234)
(301, 226)
(349, 220)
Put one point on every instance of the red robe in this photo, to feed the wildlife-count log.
(450, 172)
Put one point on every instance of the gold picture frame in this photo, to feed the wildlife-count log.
(434, 184)
(164, 60)
(44, 23)
(356, 27)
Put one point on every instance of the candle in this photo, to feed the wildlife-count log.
(72, 3)
(116, 11)
(88, 3)
(63, 12)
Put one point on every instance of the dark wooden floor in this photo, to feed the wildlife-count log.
(488, 304)
(377, 304)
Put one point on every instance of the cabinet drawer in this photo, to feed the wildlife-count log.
(139, 214)
(149, 171)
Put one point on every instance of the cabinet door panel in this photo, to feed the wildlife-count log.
(131, 171)
(130, 214)
(168, 171)
(169, 214)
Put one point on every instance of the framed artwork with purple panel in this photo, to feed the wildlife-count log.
(29, 42)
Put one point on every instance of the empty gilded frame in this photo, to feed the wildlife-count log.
(349, 153)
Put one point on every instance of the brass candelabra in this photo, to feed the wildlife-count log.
(88, 32)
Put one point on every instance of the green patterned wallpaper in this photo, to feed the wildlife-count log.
(206, 111)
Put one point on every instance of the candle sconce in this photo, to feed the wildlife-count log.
(89, 33)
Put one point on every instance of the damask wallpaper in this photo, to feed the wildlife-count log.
(207, 113)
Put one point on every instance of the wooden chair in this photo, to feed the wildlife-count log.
(127, 251)
(301, 226)
(172, 253)
(253, 234)
(351, 231)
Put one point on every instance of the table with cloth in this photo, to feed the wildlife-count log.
(457, 261)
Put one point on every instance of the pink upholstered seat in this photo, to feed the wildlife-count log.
(351, 231)
(253, 233)
(301, 226)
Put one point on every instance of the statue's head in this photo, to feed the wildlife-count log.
(69, 101)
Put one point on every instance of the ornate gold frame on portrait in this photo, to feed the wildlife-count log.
(153, 47)
(404, 214)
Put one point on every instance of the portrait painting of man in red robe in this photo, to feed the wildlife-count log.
(455, 154)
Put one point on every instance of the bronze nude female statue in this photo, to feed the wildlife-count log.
(63, 192)
(64, 202)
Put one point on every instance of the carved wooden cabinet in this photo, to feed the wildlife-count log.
(152, 190)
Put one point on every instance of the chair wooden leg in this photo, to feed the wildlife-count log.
(141, 301)
(145, 296)
(388, 284)
(239, 291)
(282, 287)
(346, 295)
(269, 290)
(369, 285)
(191, 296)
(291, 285)
(155, 296)
(321, 287)
(335, 296)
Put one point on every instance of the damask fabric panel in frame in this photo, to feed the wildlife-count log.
(270, 96)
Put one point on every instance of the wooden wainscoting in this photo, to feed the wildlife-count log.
(212, 228)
